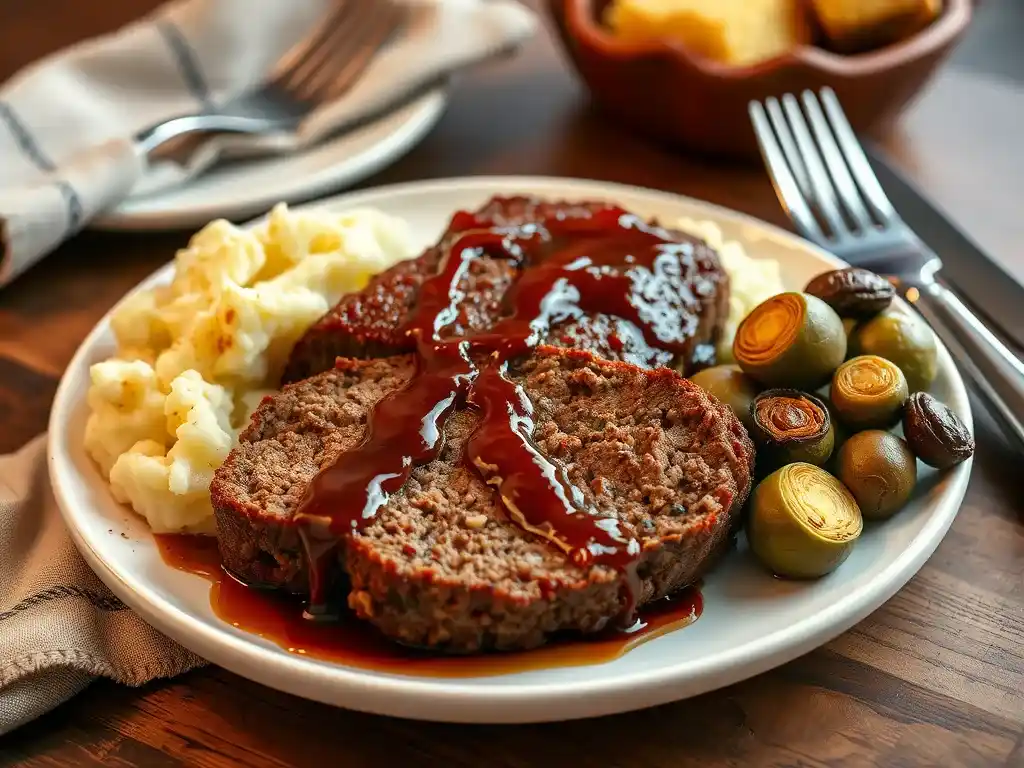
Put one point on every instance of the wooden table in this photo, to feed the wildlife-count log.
(935, 677)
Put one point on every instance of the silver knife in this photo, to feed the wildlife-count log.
(985, 285)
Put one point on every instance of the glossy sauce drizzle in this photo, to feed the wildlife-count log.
(610, 263)
(349, 641)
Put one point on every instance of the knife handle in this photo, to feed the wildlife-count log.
(997, 373)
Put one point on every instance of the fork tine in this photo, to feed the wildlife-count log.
(794, 153)
(332, 81)
(856, 159)
(345, 39)
(300, 56)
(849, 196)
(821, 185)
(786, 187)
(785, 138)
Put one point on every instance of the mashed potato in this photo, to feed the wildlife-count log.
(751, 280)
(195, 357)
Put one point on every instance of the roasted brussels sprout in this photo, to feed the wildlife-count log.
(879, 470)
(790, 426)
(935, 434)
(803, 522)
(853, 292)
(790, 340)
(868, 392)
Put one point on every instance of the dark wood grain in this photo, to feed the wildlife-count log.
(935, 677)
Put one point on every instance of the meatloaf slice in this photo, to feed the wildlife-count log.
(442, 565)
(693, 301)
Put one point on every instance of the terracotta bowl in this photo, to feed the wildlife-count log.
(662, 90)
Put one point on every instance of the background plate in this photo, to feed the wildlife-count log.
(751, 622)
(239, 190)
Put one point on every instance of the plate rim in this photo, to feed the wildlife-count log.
(424, 113)
(445, 699)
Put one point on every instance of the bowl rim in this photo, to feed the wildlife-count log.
(582, 24)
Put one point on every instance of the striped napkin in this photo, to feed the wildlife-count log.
(60, 627)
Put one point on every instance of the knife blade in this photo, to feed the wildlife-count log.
(990, 290)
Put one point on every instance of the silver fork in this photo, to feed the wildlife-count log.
(318, 69)
(827, 186)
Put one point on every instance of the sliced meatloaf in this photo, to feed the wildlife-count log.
(442, 565)
(693, 303)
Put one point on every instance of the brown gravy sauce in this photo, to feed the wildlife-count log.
(278, 618)
(611, 263)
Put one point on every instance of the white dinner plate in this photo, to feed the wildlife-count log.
(751, 621)
(239, 190)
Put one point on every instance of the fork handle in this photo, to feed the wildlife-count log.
(148, 140)
(995, 370)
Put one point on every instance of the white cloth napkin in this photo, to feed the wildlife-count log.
(66, 121)
(60, 627)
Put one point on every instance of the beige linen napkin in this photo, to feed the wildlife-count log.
(67, 121)
(60, 627)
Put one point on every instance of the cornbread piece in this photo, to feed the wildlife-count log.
(694, 302)
(857, 25)
(739, 32)
(442, 565)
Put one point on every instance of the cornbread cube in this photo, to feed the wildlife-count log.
(861, 24)
(740, 32)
